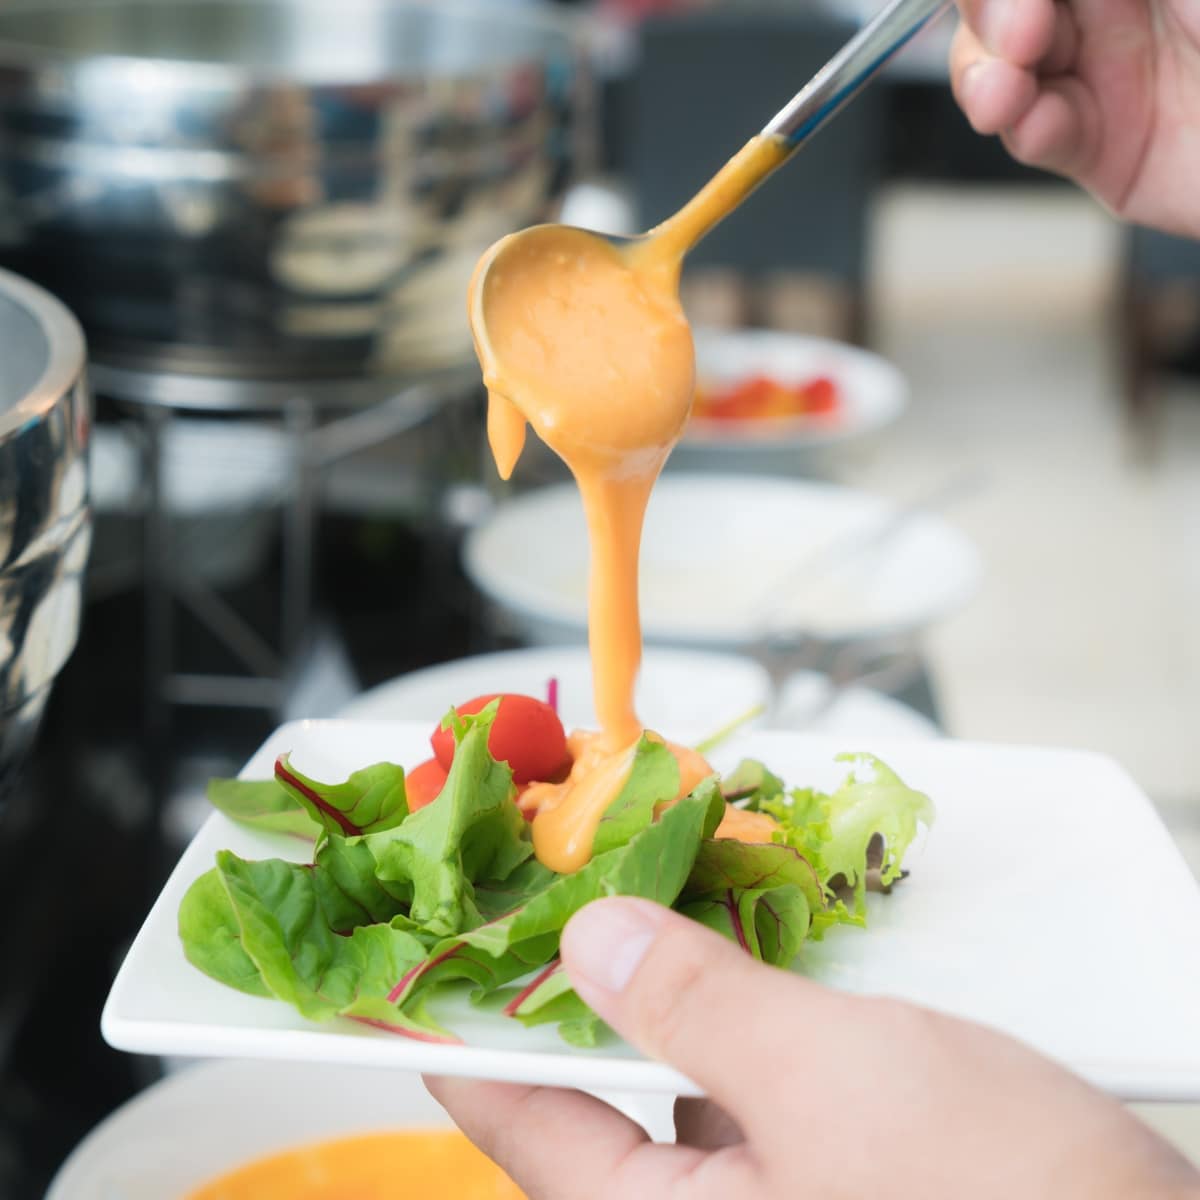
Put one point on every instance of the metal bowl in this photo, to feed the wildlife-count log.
(45, 531)
(275, 188)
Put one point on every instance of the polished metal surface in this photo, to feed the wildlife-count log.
(45, 532)
(852, 68)
(276, 188)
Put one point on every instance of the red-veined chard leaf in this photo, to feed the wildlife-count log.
(262, 804)
(370, 801)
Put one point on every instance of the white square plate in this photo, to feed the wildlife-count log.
(1049, 901)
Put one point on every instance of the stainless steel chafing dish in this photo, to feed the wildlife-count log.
(44, 527)
(275, 188)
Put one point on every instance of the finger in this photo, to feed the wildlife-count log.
(679, 993)
(1064, 45)
(551, 1142)
(1018, 31)
(993, 94)
(1057, 133)
(705, 1125)
(571, 1146)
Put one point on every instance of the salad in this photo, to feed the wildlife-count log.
(425, 880)
(764, 397)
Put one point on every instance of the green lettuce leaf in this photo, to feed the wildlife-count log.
(548, 998)
(769, 923)
(653, 779)
(473, 830)
(653, 864)
(750, 782)
(370, 801)
(262, 804)
(350, 893)
(273, 912)
(722, 864)
(496, 898)
(212, 937)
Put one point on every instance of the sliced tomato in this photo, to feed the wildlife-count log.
(424, 783)
(526, 734)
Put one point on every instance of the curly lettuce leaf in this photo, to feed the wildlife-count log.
(473, 830)
(262, 804)
(370, 801)
(834, 832)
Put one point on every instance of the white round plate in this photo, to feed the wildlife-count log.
(211, 1117)
(677, 689)
(725, 556)
(873, 393)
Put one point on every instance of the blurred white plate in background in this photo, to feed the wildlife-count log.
(677, 689)
(720, 553)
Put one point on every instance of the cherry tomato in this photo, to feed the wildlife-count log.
(423, 783)
(527, 735)
(760, 397)
(821, 396)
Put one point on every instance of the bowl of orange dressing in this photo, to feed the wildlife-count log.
(305, 1131)
(414, 1164)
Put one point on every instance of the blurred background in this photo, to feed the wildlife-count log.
(969, 395)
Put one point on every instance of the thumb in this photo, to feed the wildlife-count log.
(686, 996)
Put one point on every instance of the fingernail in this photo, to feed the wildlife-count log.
(604, 943)
(969, 84)
(994, 20)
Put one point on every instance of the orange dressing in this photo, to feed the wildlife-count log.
(411, 1165)
(741, 826)
(588, 344)
(569, 812)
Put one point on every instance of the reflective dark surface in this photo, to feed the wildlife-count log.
(270, 187)
(45, 530)
(86, 842)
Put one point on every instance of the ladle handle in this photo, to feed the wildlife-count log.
(851, 67)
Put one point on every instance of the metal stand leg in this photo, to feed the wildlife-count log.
(156, 590)
(299, 521)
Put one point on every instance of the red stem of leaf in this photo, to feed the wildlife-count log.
(425, 965)
(552, 693)
(511, 1008)
(416, 1035)
(348, 827)
(740, 933)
